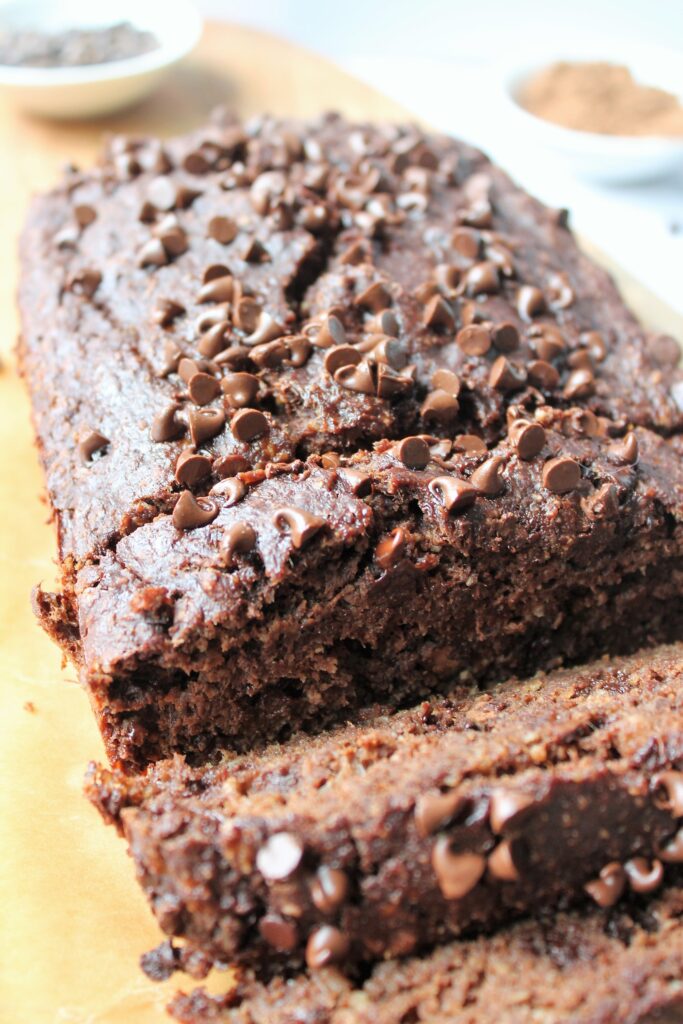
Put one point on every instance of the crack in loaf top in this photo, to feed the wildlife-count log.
(205, 309)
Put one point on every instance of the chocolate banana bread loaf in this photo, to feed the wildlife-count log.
(619, 966)
(334, 414)
(386, 837)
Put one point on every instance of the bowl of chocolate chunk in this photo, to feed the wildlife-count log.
(609, 120)
(73, 59)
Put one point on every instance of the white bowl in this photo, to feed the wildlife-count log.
(607, 158)
(94, 89)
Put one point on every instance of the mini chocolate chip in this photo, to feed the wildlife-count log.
(217, 314)
(672, 851)
(560, 291)
(214, 340)
(300, 524)
(543, 374)
(269, 355)
(278, 933)
(596, 345)
(166, 426)
(172, 358)
(530, 301)
(488, 477)
(222, 229)
(196, 163)
(547, 347)
(359, 483)
(85, 282)
(440, 407)
(504, 806)
(214, 271)
(580, 359)
(527, 438)
(391, 384)
(446, 380)
(165, 311)
(505, 337)
(92, 443)
(561, 475)
(474, 340)
(240, 538)
(203, 388)
(162, 193)
(172, 236)
(247, 313)
(187, 369)
(604, 504)
(482, 279)
(580, 384)
(665, 350)
(667, 790)
(240, 388)
(326, 945)
(606, 890)
(467, 242)
(501, 864)
(341, 355)
(255, 252)
(413, 452)
(267, 329)
(231, 489)
(190, 468)
(356, 378)
(505, 376)
(329, 889)
(456, 873)
(191, 512)
(218, 289)
(248, 424)
(470, 444)
(625, 452)
(389, 351)
(205, 424)
(644, 876)
(435, 810)
(280, 856)
(152, 254)
(375, 297)
(230, 465)
(84, 214)
(391, 549)
(355, 254)
(455, 495)
(386, 322)
(438, 315)
(331, 333)
(299, 349)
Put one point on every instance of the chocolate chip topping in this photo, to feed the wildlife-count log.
(501, 864)
(326, 945)
(190, 468)
(341, 355)
(440, 407)
(456, 495)
(505, 337)
(625, 452)
(356, 378)
(470, 444)
(223, 229)
(413, 452)
(456, 873)
(375, 297)
(231, 490)
(526, 437)
(467, 242)
(667, 791)
(644, 876)
(488, 478)
(218, 289)
(438, 314)
(543, 374)
(474, 340)
(329, 889)
(166, 426)
(85, 282)
(280, 856)
(482, 279)
(504, 376)
(300, 524)
(446, 380)
(248, 424)
(240, 538)
(203, 388)
(359, 483)
(278, 933)
(504, 806)
(579, 384)
(391, 549)
(530, 302)
(672, 851)
(152, 254)
(165, 311)
(214, 341)
(240, 389)
(92, 443)
(331, 333)
(606, 890)
(436, 810)
(561, 475)
(191, 512)
(205, 424)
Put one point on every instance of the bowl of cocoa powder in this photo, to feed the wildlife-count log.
(608, 120)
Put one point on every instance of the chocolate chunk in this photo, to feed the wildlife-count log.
(561, 475)
(375, 297)
(504, 807)
(91, 444)
(152, 254)
(165, 311)
(190, 468)
(222, 229)
(218, 289)
(526, 437)
(240, 389)
(438, 314)
(667, 791)
(231, 490)
(504, 376)
(580, 384)
(203, 388)
(436, 810)
(625, 452)
(248, 424)
(474, 340)
(456, 873)
(359, 483)
(644, 876)
(440, 407)
(501, 864)
(543, 374)
(456, 495)
(356, 378)
(300, 524)
(329, 889)
(505, 337)
(530, 302)
(331, 333)
(413, 452)
(341, 355)
(391, 549)
(205, 424)
(446, 380)
(482, 279)
(240, 538)
(278, 933)
(190, 512)
(280, 856)
(488, 478)
(606, 890)
(166, 426)
(214, 340)
(326, 945)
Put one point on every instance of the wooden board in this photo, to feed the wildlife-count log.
(72, 921)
